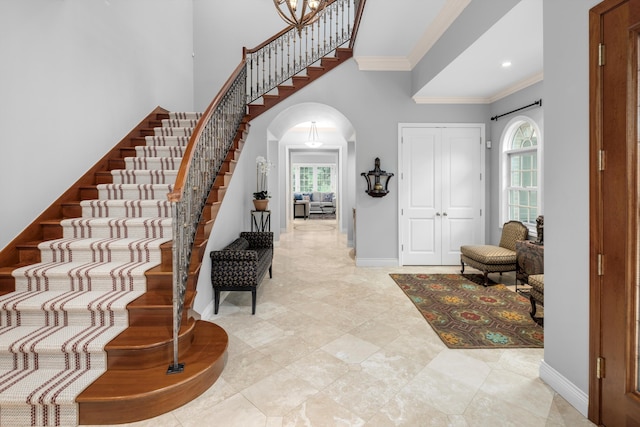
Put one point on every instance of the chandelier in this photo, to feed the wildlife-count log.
(314, 139)
(300, 13)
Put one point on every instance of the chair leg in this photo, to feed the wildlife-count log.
(486, 279)
(270, 274)
(462, 271)
(533, 307)
(253, 301)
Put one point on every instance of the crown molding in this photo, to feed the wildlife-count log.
(538, 77)
(383, 63)
(447, 15)
(449, 100)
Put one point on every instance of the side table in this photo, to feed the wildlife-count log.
(260, 220)
(529, 260)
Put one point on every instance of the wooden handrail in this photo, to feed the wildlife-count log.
(185, 165)
(275, 37)
(356, 23)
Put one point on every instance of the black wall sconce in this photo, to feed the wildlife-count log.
(377, 180)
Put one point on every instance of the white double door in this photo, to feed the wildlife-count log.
(442, 192)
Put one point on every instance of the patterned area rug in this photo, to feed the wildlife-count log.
(467, 315)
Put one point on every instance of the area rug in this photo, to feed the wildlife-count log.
(467, 315)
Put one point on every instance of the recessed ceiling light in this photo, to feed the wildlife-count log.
(506, 64)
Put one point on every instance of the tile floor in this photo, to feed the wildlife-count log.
(332, 344)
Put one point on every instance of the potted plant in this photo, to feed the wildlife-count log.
(261, 196)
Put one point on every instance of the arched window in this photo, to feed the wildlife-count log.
(521, 173)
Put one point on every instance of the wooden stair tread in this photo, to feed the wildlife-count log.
(121, 396)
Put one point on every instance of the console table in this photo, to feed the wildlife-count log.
(529, 260)
(260, 220)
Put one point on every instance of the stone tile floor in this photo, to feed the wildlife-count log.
(333, 344)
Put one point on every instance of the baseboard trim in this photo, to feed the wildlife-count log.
(565, 388)
(376, 262)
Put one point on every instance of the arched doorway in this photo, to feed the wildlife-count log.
(287, 135)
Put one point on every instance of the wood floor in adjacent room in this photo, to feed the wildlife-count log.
(333, 344)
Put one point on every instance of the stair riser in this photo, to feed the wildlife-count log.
(128, 209)
(102, 250)
(134, 191)
(81, 229)
(50, 360)
(38, 317)
(179, 123)
(149, 356)
(152, 163)
(170, 131)
(124, 176)
(158, 151)
(163, 141)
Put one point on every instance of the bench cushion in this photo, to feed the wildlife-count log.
(489, 254)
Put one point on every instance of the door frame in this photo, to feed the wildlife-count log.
(613, 206)
(402, 197)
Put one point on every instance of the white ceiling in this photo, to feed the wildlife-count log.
(412, 27)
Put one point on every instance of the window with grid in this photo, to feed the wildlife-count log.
(310, 178)
(522, 174)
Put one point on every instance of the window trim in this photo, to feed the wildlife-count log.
(315, 166)
(505, 151)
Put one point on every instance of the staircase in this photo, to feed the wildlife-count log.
(87, 311)
(86, 336)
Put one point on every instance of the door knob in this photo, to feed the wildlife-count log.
(445, 214)
(437, 213)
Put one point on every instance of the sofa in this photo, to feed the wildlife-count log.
(308, 203)
(242, 265)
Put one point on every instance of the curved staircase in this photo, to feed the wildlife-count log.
(86, 334)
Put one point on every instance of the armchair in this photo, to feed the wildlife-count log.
(495, 259)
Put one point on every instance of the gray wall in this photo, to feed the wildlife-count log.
(495, 133)
(566, 115)
(75, 77)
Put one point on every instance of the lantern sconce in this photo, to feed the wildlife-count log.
(377, 180)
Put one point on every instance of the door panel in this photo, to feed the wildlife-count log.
(440, 193)
(422, 173)
(461, 195)
(613, 388)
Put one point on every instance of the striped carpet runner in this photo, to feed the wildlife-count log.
(65, 309)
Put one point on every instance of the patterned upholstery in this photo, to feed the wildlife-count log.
(242, 265)
(536, 294)
(495, 259)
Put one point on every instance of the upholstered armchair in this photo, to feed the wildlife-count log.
(536, 295)
(495, 259)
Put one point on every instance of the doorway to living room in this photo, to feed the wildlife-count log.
(315, 146)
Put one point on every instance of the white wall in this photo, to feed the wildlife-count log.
(75, 77)
(566, 129)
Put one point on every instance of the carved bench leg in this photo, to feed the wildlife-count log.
(462, 262)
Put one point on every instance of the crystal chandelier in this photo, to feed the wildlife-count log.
(314, 139)
(300, 13)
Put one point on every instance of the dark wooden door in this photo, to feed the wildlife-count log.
(614, 399)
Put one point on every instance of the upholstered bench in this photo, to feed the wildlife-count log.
(242, 265)
(536, 293)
